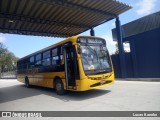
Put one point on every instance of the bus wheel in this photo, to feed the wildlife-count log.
(58, 85)
(27, 82)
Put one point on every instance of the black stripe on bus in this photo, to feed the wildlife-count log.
(39, 77)
(43, 69)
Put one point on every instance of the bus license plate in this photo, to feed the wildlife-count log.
(102, 81)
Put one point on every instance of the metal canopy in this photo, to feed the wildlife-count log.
(56, 18)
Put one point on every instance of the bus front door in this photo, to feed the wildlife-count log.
(69, 61)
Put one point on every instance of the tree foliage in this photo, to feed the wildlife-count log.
(117, 51)
(7, 59)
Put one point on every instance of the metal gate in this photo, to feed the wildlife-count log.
(8, 74)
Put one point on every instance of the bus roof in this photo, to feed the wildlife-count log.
(73, 39)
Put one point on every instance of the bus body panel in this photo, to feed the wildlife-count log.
(85, 82)
(42, 79)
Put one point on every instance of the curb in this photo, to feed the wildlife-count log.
(139, 79)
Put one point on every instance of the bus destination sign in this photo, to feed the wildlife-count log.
(91, 41)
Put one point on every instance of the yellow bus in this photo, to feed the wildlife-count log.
(78, 63)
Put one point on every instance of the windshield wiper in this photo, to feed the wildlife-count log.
(95, 53)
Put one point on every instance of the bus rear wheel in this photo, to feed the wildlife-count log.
(27, 82)
(58, 85)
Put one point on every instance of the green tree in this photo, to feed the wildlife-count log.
(117, 51)
(3, 49)
(7, 59)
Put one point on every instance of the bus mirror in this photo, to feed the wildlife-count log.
(78, 47)
(79, 50)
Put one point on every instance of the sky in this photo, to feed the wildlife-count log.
(22, 45)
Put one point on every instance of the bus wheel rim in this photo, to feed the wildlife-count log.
(58, 86)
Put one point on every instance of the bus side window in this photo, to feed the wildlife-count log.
(38, 61)
(31, 65)
(61, 56)
(46, 59)
(62, 60)
(25, 63)
(55, 58)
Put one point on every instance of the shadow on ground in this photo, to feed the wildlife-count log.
(20, 91)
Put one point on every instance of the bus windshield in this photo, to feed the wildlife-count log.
(95, 59)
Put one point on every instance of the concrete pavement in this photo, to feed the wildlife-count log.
(122, 96)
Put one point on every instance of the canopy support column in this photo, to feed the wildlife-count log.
(120, 47)
(92, 33)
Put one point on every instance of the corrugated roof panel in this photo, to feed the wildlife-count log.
(37, 10)
(107, 5)
(17, 25)
(72, 14)
(1, 22)
(96, 20)
(43, 9)
(75, 17)
(3, 5)
(32, 8)
(6, 24)
(96, 5)
(91, 4)
(51, 17)
(40, 9)
(20, 6)
(10, 6)
(57, 12)
(29, 26)
(46, 11)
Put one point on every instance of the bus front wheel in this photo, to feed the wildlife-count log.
(27, 82)
(58, 85)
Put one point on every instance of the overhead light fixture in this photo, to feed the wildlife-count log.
(11, 21)
(65, 28)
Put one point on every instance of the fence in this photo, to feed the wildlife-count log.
(8, 74)
(117, 67)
